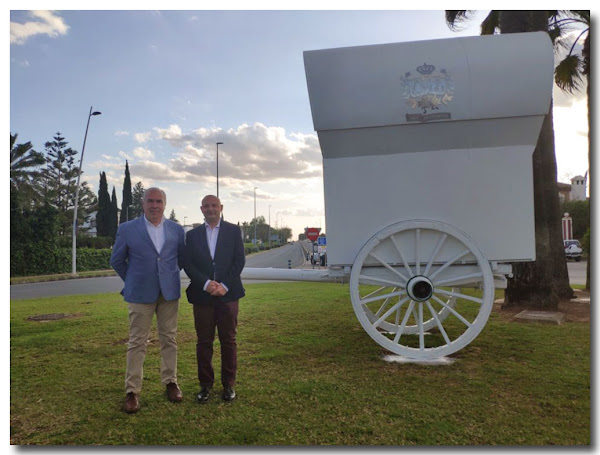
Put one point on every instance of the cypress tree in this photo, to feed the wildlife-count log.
(127, 197)
(113, 220)
(102, 216)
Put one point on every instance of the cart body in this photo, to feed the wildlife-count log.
(440, 130)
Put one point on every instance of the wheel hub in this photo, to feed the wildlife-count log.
(419, 288)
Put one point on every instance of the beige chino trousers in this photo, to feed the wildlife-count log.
(140, 322)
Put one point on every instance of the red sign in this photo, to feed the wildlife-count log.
(313, 234)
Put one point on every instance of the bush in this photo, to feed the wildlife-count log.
(84, 241)
(36, 260)
(585, 242)
(579, 211)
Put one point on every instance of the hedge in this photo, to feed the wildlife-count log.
(31, 260)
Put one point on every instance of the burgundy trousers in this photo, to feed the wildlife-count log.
(223, 318)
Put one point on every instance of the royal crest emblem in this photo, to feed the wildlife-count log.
(428, 92)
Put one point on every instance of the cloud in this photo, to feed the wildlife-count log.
(121, 133)
(142, 137)
(156, 172)
(248, 195)
(46, 23)
(249, 153)
(141, 152)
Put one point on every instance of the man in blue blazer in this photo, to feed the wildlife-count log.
(148, 256)
(214, 259)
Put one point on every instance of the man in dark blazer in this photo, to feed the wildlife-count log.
(214, 259)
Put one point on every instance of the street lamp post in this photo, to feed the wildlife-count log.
(255, 221)
(269, 238)
(184, 221)
(218, 143)
(74, 256)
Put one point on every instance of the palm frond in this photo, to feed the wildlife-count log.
(456, 17)
(567, 74)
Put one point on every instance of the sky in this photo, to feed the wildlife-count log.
(171, 84)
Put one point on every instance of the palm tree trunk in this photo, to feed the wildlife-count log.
(540, 284)
(586, 71)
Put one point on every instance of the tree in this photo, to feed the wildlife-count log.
(579, 211)
(60, 172)
(103, 215)
(127, 196)
(136, 201)
(286, 234)
(172, 217)
(24, 175)
(538, 284)
(568, 75)
(113, 215)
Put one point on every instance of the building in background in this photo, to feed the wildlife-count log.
(576, 191)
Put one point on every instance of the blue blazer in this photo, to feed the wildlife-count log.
(147, 273)
(226, 267)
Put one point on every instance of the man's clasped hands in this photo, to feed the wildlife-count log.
(216, 289)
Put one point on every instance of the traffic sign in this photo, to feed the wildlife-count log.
(312, 233)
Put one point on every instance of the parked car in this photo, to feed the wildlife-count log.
(573, 249)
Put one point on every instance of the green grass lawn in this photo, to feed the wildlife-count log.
(308, 374)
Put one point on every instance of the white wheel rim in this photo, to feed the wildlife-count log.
(443, 256)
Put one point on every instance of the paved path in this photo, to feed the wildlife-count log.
(277, 258)
(577, 272)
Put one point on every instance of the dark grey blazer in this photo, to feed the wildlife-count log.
(226, 267)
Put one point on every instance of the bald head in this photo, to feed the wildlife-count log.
(211, 209)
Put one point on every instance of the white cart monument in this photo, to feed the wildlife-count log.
(427, 164)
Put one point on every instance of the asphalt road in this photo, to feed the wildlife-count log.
(577, 272)
(276, 258)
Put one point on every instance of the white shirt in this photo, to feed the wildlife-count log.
(156, 233)
(212, 234)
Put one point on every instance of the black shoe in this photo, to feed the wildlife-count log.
(228, 394)
(203, 396)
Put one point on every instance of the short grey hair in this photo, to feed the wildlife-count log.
(154, 188)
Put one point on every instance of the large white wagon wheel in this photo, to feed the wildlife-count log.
(417, 277)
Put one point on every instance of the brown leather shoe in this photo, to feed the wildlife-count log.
(174, 392)
(132, 403)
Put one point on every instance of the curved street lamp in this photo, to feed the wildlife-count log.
(218, 143)
(74, 258)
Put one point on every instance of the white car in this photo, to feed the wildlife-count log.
(573, 249)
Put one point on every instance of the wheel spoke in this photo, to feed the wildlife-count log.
(421, 331)
(404, 321)
(438, 322)
(390, 311)
(376, 291)
(453, 311)
(381, 280)
(457, 279)
(449, 263)
(395, 242)
(385, 302)
(417, 248)
(387, 266)
(382, 296)
(461, 296)
(436, 250)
